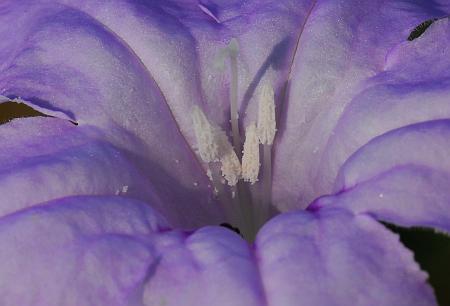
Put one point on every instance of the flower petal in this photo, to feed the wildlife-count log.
(77, 251)
(181, 42)
(267, 33)
(344, 47)
(332, 257)
(413, 87)
(213, 266)
(64, 60)
(45, 158)
(48, 158)
(401, 177)
(118, 251)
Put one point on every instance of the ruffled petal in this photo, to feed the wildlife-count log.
(401, 177)
(332, 257)
(118, 251)
(212, 266)
(354, 58)
(101, 250)
(77, 251)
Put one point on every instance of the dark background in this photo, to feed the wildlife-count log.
(432, 252)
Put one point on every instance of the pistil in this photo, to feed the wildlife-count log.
(266, 192)
(214, 146)
(233, 49)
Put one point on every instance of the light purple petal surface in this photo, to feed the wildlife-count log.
(354, 58)
(400, 177)
(212, 266)
(77, 251)
(412, 87)
(117, 251)
(333, 257)
(176, 48)
(92, 62)
(62, 59)
(47, 158)
(89, 61)
(180, 43)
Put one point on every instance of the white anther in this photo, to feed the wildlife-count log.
(208, 148)
(125, 189)
(231, 167)
(266, 115)
(250, 158)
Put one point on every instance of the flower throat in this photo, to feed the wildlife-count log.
(243, 191)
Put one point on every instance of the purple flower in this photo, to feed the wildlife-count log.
(107, 203)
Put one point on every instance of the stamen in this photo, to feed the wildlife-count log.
(233, 48)
(266, 133)
(250, 158)
(266, 115)
(208, 148)
(230, 210)
(266, 194)
(214, 145)
(231, 167)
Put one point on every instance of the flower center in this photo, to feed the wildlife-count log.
(234, 172)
